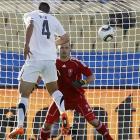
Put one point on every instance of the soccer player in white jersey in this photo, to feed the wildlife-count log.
(40, 54)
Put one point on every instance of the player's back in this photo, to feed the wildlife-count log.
(42, 43)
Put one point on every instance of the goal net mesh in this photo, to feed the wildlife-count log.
(114, 95)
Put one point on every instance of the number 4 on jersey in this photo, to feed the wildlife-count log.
(45, 29)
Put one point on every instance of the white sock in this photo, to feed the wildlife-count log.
(58, 99)
(22, 107)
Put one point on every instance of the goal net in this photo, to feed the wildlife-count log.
(114, 95)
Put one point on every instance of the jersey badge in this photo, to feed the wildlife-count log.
(64, 66)
(70, 72)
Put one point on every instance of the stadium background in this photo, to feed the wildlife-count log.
(114, 95)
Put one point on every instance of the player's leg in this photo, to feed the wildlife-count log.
(50, 78)
(25, 88)
(101, 128)
(84, 109)
(55, 129)
(59, 100)
(56, 95)
(51, 117)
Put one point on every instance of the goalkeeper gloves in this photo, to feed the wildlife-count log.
(79, 83)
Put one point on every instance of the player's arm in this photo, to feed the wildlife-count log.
(80, 83)
(86, 72)
(62, 36)
(62, 39)
(29, 22)
(29, 31)
(89, 79)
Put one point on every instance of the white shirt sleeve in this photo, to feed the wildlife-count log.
(28, 17)
(59, 29)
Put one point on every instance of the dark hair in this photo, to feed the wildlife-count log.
(43, 6)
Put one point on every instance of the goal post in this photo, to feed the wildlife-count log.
(114, 95)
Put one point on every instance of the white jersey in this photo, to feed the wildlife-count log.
(42, 43)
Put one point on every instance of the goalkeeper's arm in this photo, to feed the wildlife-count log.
(80, 83)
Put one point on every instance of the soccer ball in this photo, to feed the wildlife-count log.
(106, 33)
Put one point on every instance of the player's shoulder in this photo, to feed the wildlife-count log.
(78, 61)
(31, 14)
(58, 60)
(75, 59)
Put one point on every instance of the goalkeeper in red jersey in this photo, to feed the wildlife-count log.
(70, 72)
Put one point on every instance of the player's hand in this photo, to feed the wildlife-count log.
(79, 83)
(27, 51)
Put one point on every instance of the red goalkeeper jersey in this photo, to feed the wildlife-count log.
(68, 72)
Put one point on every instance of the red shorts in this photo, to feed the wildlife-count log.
(79, 104)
